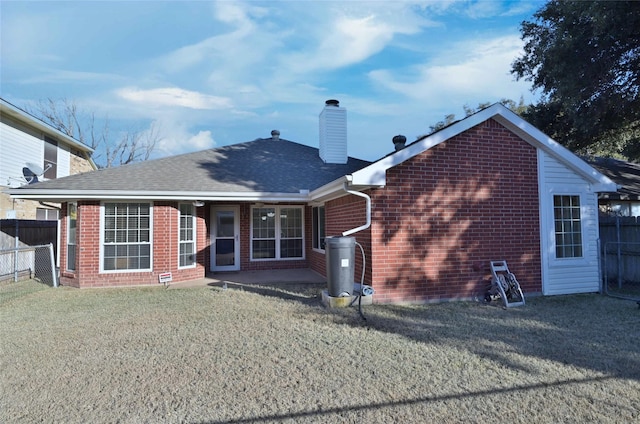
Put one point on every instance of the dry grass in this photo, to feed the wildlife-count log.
(207, 355)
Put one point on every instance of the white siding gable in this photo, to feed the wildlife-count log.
(567, 275)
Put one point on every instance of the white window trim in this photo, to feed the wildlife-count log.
(69, 241)
(277, 230)
(194, 233)
(554, 260)
(102, 222)
(314, 223)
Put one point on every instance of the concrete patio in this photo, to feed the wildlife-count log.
(270, 277)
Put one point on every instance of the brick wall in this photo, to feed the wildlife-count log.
(165, 249)
(447, 212)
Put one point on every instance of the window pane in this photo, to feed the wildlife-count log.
(263, 249)
(127, 236)
(225, 224)
(291, 222)
(72, 221)
(277, 232)
(186, 256)
(321, 225)
(568, 227)
(291, 248)
(264, 222)
(50, 158)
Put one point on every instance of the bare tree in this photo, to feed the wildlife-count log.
(109, 150)
(132, 146)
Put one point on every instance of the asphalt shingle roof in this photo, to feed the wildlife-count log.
(625, 174)
(263, 165)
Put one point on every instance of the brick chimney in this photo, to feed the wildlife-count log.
(333, 133)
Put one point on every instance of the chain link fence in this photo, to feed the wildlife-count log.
(621, 270)
(28, 263)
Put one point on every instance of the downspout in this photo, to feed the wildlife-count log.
(368, 199)
(369, 289)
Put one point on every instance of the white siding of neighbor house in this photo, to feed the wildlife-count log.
(64, 161)
(567, 276)
(17, 147)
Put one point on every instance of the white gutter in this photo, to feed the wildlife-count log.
(62, 195)
(368, 199)
(329, 191)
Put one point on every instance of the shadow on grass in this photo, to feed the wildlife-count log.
(588, 331)
(302, 292)
(409, 402)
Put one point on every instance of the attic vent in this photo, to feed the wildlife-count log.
(399, 141)
(333, 133)
(275, 135)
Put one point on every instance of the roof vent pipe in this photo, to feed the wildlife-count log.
(399, 141)
(275, 135)
(332, 102)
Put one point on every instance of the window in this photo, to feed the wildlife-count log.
(127, 236)
(186, 236)
(72, 221)
(43, 214)
(50, 158)
(318, 228)
(568, 227)
(277, 232)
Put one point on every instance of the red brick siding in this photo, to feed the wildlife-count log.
(165, 249)
(447, 212)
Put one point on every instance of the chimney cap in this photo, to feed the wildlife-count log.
(332, 102)
(275, 135)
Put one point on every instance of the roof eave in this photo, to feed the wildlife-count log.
(17, 113)
(71, 195)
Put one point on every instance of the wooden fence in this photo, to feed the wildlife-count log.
(29, 232)
(620, 248)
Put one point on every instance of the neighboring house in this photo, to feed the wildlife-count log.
(31, 151)
(489, 187)
(626, 201)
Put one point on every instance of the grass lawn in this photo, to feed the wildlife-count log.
(207, 355)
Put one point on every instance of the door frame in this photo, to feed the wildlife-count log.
(236, 230)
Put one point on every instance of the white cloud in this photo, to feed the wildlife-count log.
(171, 96)
(468, 71)
(176, 138)
(202, 140)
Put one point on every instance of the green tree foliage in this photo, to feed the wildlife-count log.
(519, 108)
(584, 56)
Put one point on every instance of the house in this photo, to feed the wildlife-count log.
(626, 201)
(430, 215)
(31, 150)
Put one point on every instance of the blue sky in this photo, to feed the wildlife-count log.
(216, 73)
